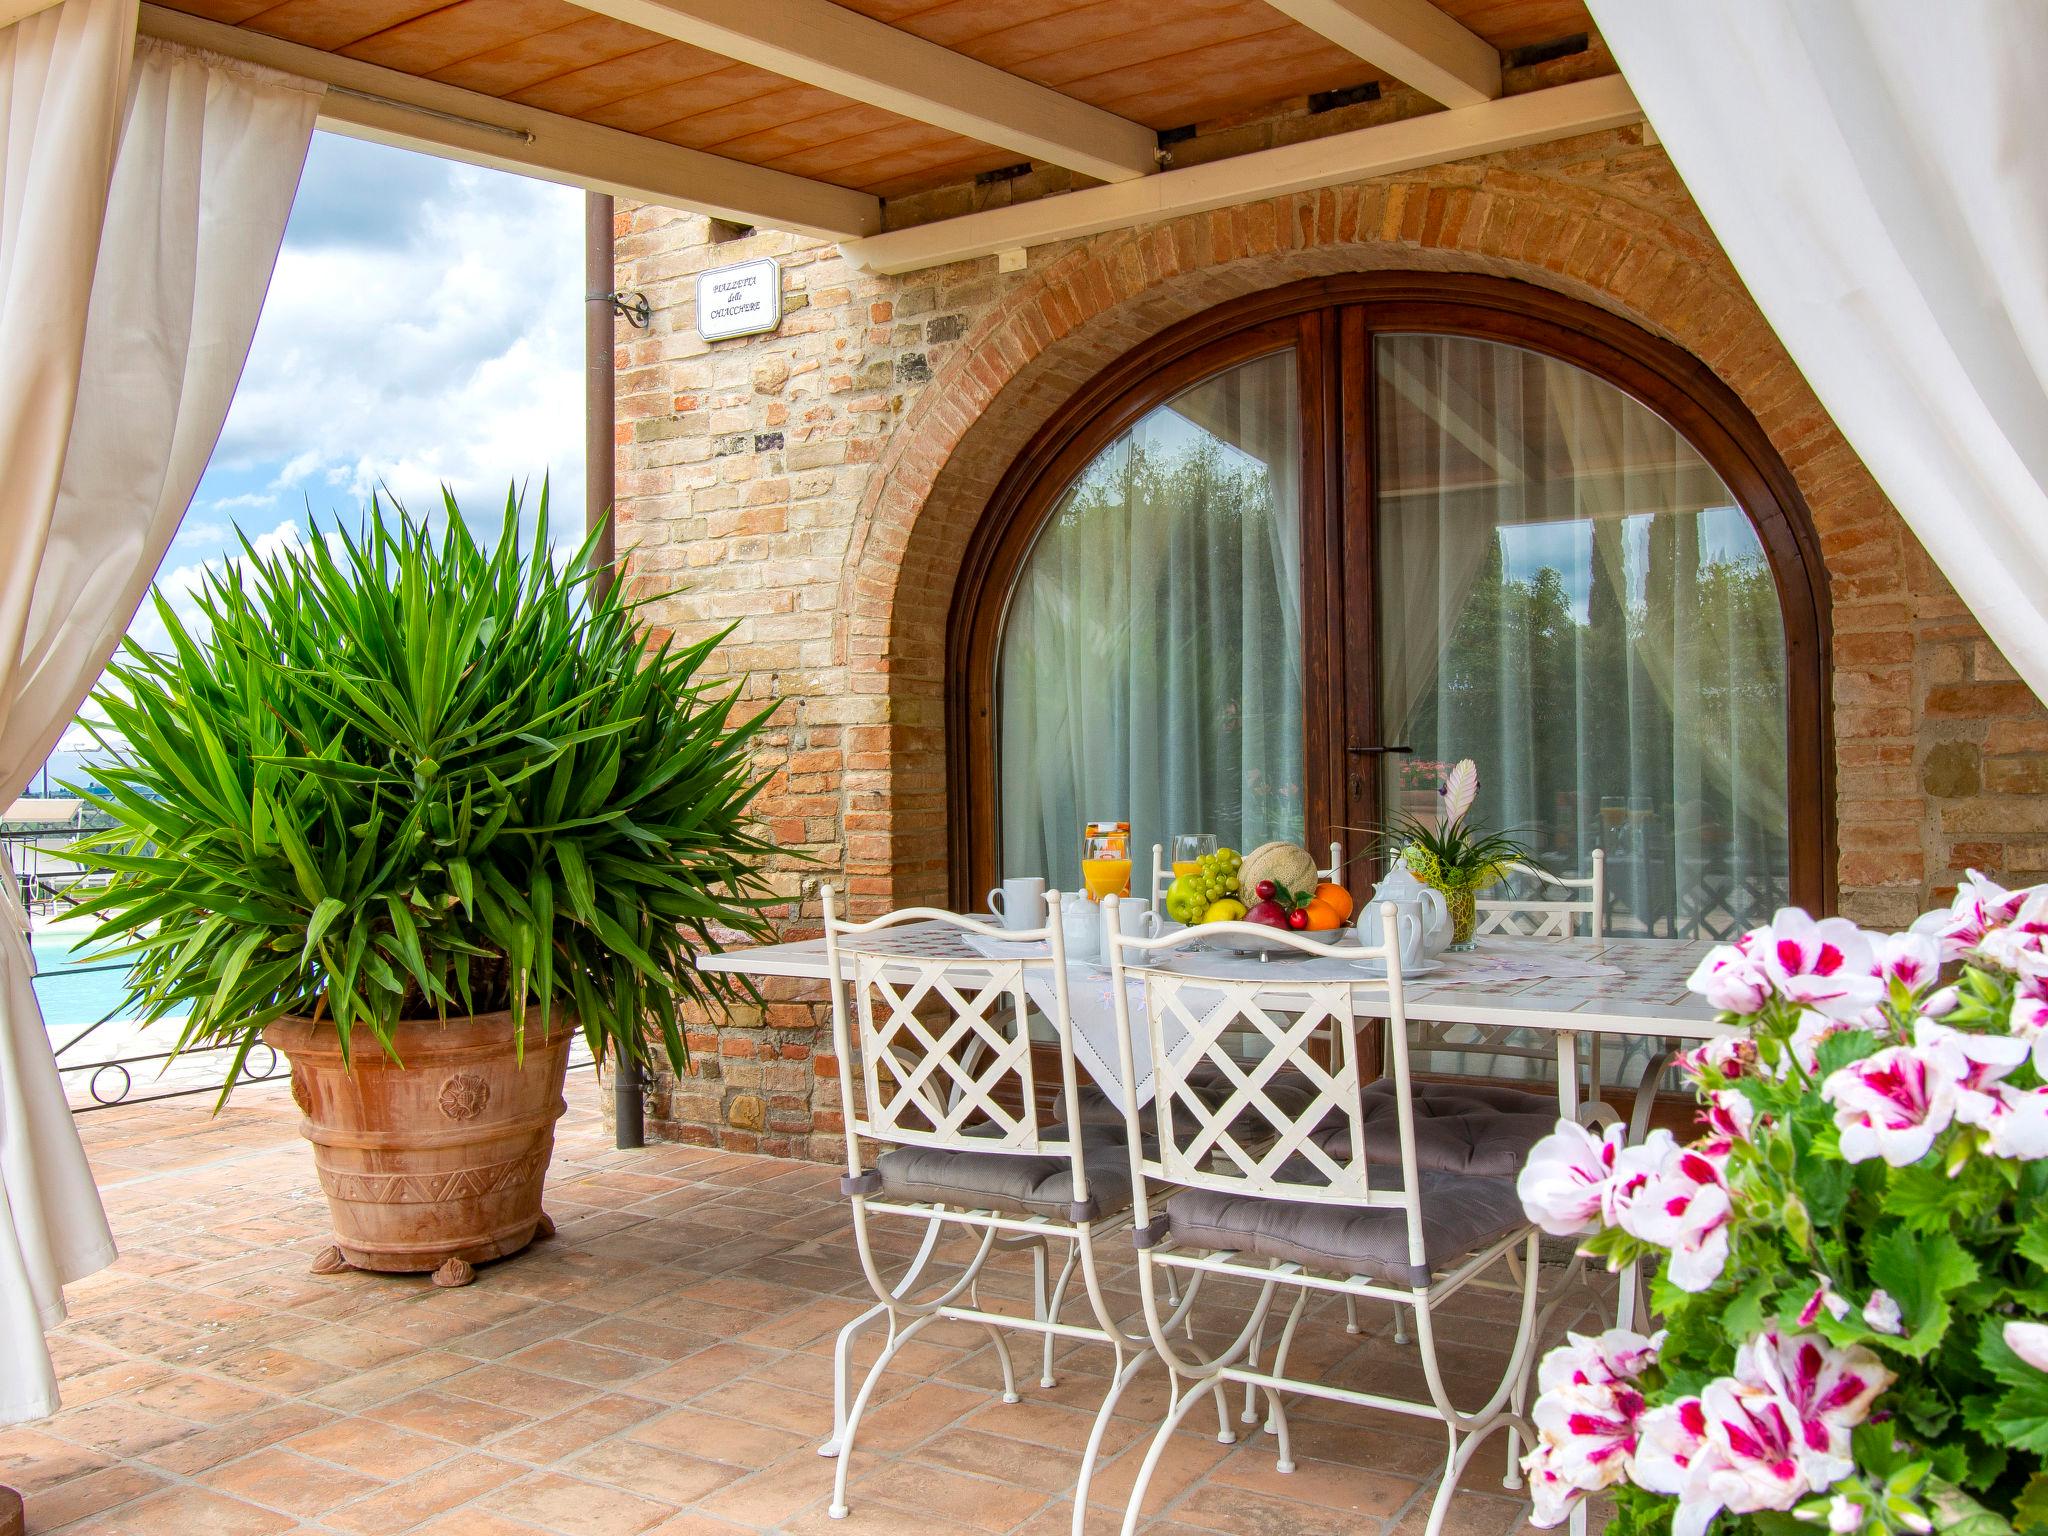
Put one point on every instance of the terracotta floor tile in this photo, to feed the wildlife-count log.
(653, 1471)
(719, 1439)
(199, 1512)
(88, 1495)
(663, 1368)
(282, 1479)
(459, 1419)
(528, 1393)
(369, 1446)
(403, 1505)
(31, 1460)
(584, 1425)
(568, 1504)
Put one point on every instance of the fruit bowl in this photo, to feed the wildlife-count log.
(1265, 946)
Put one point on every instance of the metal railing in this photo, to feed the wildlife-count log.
(111, 1081)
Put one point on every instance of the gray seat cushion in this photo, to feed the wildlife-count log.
(1459, 1214)
(1012, 1182)
(1475, 1128)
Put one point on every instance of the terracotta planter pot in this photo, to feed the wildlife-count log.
(438, 1164)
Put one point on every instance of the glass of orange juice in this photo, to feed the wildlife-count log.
(1106, 859)
(1188, 849)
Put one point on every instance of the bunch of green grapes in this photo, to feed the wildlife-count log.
(1216, 874)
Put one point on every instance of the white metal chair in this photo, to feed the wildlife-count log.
(935, 1067)
(1541, 905)
(1162, 872)
(1300, 1210)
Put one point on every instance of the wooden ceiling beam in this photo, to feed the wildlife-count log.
(1535, 117)
(1411, 40)
(842, 51)
(368, 101)
(12, 11)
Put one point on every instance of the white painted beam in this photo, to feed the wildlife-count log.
(12, 11)
(1535, 117)
(1411, 40)
(367, 101)
(849, 54)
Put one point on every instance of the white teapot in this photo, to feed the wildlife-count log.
(1409, 895)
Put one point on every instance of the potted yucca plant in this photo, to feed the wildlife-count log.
(415, 812)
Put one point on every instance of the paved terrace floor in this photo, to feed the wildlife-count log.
(663, 1366)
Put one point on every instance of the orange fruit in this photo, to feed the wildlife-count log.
(1337, 899)
(1322, 917)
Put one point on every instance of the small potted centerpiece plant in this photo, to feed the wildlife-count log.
(1849, 1263)
(1448, 853)
(415, 813)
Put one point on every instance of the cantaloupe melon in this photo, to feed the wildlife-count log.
(1287, 865)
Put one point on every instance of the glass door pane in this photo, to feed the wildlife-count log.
(1571, 597)
(1151, 662)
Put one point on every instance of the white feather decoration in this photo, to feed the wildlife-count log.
(1460, 789)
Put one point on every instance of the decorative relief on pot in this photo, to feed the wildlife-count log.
(434, 1188)
(301, 1095)
(464, 1096)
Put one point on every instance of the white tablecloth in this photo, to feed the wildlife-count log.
(1092, 1004)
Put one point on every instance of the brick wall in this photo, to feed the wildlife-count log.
(816, 489)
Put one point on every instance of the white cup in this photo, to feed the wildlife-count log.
(1019, 902)
(1130, 916)
(1409, 934)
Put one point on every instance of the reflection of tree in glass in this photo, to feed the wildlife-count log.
(1151, 603)
(1655, 728)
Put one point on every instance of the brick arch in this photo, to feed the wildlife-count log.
(1646, 258)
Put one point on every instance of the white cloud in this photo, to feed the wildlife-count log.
(451, 352)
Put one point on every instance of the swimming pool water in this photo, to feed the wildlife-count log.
(71, 984)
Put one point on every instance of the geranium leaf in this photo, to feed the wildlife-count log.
(2030, 1509)
(1920, 1271)
(2019, 1420)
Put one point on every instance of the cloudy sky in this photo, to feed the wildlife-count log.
(425, 326)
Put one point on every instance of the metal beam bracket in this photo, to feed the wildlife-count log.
(632, 307)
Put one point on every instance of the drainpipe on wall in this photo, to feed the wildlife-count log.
(629, 1105)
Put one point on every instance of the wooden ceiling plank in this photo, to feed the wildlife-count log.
(842, 51)
(368, 101)
(1511, 122)
(1411, 40)
(12, 11)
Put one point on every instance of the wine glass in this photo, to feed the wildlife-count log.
(1188, 849)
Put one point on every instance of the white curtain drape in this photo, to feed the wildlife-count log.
(1152, 658)
(1878, 175)
(143, 195)
(1571, 598)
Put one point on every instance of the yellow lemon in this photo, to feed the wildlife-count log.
(1227, 910)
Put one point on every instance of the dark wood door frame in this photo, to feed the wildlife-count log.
(1330, 323)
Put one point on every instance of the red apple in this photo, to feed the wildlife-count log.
(1269, 914)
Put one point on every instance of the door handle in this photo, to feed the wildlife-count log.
(1376, 751)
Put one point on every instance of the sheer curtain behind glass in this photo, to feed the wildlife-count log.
(1151, 664)
(1571, 597)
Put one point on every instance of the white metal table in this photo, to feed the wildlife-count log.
(1648, 1001)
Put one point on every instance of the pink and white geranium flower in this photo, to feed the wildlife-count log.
(1881, 1314)
(2020, 944)
(2030, 1342)
(1731, 980)
(1981, 905)
(1585, 1418)
(1829, 965)
(1574, 1182)
(1686, 1208)
(1827, 1390)
(1909, 960)
(1894, 1103)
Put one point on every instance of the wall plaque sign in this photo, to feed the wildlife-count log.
(741, 300)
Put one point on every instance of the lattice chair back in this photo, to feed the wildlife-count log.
(1251, 1127)
(937, 1035)
(1552, 907)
